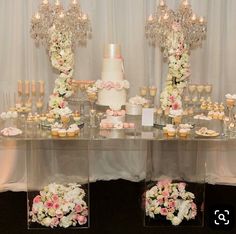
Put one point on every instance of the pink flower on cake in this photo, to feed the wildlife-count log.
(109, 85)
(118, 86)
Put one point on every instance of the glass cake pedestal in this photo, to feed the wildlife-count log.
(175, 185)
(58, 188)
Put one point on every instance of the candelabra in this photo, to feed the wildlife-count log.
(54, 16)
(164, 21)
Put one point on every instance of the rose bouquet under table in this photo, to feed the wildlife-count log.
(59, 206)
(170, 203)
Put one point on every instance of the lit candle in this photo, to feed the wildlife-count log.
(84, 17)
(185, 3)
(74, 2)
(150, 18)
(201, 20)
(162, 3)
(27, 87)
(194, 17)
(19, 87)
(57, 3)
(33, 87)
(166, 16)
(61, 15)
(41, 87)
(45, 2)
(37, 16)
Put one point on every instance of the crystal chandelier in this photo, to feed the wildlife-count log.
(160, 25)
(54, 15)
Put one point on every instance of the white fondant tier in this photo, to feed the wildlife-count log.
(113, 98)
(112, 76)
(113, 65)
(132, 109)
(116, 119)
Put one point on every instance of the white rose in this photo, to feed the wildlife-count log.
(65, 222)
(176, 221)
(47, 221)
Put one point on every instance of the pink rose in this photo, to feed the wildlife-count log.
(175, 106)
(164, 211)
(49, 204)
(56, 206)
(165, 193)
(37, 199)
(54, 222)
(193, 206)
(81, 219)
(78, 208)
(55, 197)
(181, 186)
(172, 98)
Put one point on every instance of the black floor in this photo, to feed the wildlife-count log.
(115, 209)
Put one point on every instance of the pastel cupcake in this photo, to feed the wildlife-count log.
(62, 133)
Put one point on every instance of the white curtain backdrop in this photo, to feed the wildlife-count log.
(119, 21)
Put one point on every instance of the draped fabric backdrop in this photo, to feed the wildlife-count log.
(117, 21)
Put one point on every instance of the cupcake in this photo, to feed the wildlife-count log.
(70, 132)
(183, 132)
(54, 131)
(171, 132)
(62, 133)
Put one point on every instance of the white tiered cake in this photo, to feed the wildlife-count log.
(112, 87)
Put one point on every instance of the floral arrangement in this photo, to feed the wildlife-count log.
(59, 205)
(108, 85)
(178, 70)
(62, 59)
(170, 200)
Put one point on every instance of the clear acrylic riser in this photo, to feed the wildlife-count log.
(174, 170)
(58, 187)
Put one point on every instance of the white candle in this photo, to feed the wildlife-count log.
(150, 18)
(61, 15)
(162, 3)
(37, 16)
(201, 20)
(33, 87)
(41, 87)
(27, 87)
(166, 16)
(185, 3)
(194, 17)
(84, 17)
(20, 86)
(57, 3)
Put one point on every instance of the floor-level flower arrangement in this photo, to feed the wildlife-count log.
(60, 206)
(170, 201)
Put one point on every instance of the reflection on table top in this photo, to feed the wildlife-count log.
(96, 134)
